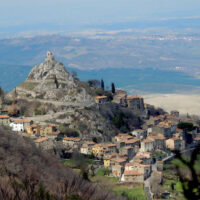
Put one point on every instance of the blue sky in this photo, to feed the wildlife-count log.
(17, 15)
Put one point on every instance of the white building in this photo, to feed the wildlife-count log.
(20, 125)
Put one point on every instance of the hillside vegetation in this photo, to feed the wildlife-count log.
(27, 173)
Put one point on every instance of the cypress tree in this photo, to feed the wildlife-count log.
(113, 88)
(102, 84)
(56, 82)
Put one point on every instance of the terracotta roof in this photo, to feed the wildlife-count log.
(90, 143)
(128, 147)
(143, 155)
(133, 173)
(101, 97)
(156, 136)
(54, 133)
(72, 139)
(129, 164)
(84, 146)
(119, 160)
(51, 125)
(133, 97)
(4, 117)
(123, 135)
(131, 141)
(110, 145)
(42, 139)
(106, 150)
(21, 121)
(174, 138)
(147, 141)
(145, 165)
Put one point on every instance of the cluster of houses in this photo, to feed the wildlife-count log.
(42, 134)
(129, 156)
(136, 103)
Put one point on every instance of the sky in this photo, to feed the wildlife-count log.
(23, 15)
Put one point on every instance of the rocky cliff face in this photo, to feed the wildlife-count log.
(51, 81)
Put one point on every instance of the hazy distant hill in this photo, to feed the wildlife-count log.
(130, 55)
(90, 53)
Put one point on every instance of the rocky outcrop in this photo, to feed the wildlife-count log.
(51, 81)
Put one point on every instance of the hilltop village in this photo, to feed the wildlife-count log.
(133, 156)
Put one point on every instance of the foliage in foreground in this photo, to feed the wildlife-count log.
(189, 175)
(26, 173)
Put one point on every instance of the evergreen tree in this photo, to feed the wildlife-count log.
(56, 82)
(113, 88)
(102, 84)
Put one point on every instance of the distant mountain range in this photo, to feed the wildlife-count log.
(134, 63)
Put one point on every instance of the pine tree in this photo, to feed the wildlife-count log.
(113, 88)
(102, 84)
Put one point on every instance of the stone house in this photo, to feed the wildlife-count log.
(50, 128)
(175, 113)
(156, 120)
(118, 161)
(136, 172)
(44, 143)
(33, 129)
(117, 170)
(159, 140)
(147, 145)
(111, 147)
(20, 125)
(72, 142)
(173, 143)
(86, 148)
(119, 139)
(132, 142)
(139, 133)
(120, 144)
(122, 136)
(120, 98)
(173, 119)
(4, 120)
(138, 166)
(136, 103)
(144, 157)
(133, 177)
(127, 150)
(162, 128)
(53, 135)
(101, 99)
(172, 126)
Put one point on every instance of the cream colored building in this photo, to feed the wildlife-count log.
(173, 143)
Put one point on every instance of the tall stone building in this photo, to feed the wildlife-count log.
(136, 103)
